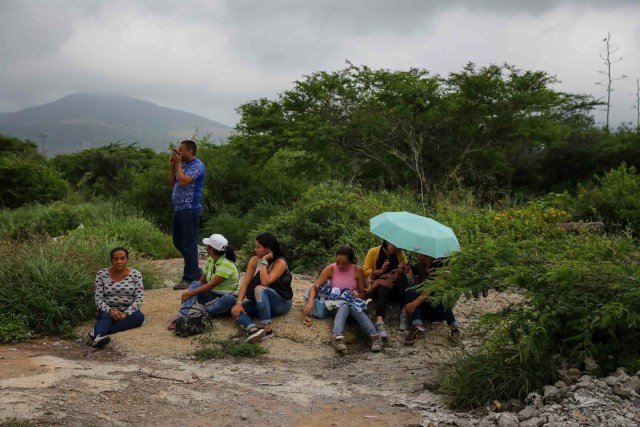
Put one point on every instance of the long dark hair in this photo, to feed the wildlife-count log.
(268, 240)
(382, 256)
(228, 253)
(348, 251)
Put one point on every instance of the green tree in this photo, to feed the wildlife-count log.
(27, 177)
(104, 171)
(387, 128)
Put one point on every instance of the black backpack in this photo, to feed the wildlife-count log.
(194, 323)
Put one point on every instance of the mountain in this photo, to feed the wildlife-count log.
(91, 120)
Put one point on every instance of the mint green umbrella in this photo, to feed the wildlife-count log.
(415, 233)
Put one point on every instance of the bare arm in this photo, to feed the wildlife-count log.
(360, 291)
(242, 292)
(172, 168)
(207, 286)
(327, 273)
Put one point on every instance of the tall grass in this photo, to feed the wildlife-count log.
(46, 286)
(133, 232)
(55, 219)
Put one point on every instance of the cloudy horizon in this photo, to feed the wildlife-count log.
(209, 57)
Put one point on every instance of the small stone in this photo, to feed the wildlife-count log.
(611, 380)
(507, 420)
(569, 376)
(549, 391)
(528, 412)
(591, 366)
(533, 422)
(602, 384)
(560, 384)
(621, 391)
(633, 384)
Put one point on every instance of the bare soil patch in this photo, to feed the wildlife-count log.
(148, 377)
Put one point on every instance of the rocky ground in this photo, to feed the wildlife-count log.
(147, 376)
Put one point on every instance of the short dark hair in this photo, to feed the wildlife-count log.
(347, 249)
(119, 248)
(191, 145)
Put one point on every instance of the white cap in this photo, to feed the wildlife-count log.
(216, 241)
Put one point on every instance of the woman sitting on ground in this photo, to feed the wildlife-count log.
(419, 308)
(119, 293)
(267, 287)
(347, 294)
(382, 262)
(218, 285)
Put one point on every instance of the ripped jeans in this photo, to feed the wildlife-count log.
(268, 304)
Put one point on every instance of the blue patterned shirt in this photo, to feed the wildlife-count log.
(189, 196)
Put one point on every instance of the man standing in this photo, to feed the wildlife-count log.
(186, 176)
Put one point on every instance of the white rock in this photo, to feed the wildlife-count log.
(528, 412)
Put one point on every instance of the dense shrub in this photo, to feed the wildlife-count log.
(613, 199)
(104, 171)
(28, 180)
(135, 233)
(327, 216)
(96, 221)
(582, 299)
(148, 191)
(55, 219)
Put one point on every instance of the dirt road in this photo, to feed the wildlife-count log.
(147, 376)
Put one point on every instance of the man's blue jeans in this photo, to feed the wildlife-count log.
(220, 305)
(105, 325)
(361, 317)
(268, 304)
(429, 312)
(186, 226)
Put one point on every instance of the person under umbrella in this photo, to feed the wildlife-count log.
(419, 308)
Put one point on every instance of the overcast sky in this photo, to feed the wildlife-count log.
(207, 57)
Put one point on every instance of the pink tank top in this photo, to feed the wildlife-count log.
(344, 279)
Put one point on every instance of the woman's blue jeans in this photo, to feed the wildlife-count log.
(429, 312)
(361, 317)
(220, 305)
(105, 325)
(268, 304)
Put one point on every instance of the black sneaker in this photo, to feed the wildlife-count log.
(256, 336)
(414, 335)
(90, 338)
(184, 284)
(101, 340)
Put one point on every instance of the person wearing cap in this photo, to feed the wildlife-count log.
(218, 287)
(186, 177)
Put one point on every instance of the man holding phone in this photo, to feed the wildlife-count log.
(186, 176)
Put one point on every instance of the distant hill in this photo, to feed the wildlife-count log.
(91, 120)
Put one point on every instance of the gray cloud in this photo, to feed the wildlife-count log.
(208, 57)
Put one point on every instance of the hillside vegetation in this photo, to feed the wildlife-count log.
(544, 204)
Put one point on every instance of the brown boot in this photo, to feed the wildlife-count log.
(376, 343)
(339, 345)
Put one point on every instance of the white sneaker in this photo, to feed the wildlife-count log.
(404, 322)
(101, 340)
